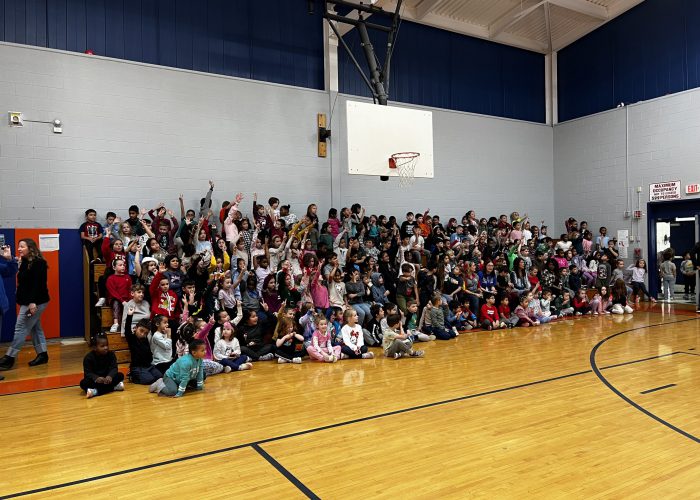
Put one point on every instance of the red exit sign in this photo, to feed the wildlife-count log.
(692, 189)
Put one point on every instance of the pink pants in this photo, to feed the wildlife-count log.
(318, 355)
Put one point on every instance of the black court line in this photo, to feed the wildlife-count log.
(658, 388)
(597, 371)
(691, 353)
(322, 428)
(282, 470)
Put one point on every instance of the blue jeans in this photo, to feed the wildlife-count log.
(26, 325)
(235, 364)
(363, 312)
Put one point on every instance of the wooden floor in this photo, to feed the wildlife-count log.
(566, 410)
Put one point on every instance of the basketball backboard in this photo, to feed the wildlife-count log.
(376, 132)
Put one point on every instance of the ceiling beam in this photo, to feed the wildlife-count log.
(583, 7)
(463, 28)
(426, 6)
(618, 9)
(511, 17)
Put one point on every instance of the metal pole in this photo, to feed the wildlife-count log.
(377, 83)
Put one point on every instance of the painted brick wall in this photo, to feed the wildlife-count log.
(129, 127)
(589, 159)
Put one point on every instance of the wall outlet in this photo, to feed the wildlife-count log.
(16, 119)
(628, 214)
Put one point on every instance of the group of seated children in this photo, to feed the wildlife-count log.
(193, 301)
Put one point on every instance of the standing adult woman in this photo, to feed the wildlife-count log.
(33, 298)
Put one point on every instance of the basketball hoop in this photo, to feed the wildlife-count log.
(405, 163)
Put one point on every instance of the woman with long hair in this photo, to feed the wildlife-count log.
(33, 298)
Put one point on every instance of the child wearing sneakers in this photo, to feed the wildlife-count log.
(186, 372)
(437, 321)
(411, 323)
(227, 351)
(289, 343)
(393, 341)
(489, 318)
(100, 374)
(353, 340)
(321, 348)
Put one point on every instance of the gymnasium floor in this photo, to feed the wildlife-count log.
(599, 407)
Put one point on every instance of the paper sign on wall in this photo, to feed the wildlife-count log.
(661, 191)
(48, 242)
(622, 242)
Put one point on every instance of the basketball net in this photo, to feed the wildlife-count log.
(405, 164)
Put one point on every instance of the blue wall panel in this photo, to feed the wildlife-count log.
(433, 67)
(71, 284)
(648, 52)
(9, 319)
(275, 41)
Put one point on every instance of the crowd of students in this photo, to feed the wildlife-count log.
(214, 293)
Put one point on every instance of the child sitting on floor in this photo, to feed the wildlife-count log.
(321, 348)
(100, 374)
(227, 351)
(393, 341)
(489, 318)
(186, 372)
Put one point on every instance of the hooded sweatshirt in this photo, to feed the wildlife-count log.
(378, 290)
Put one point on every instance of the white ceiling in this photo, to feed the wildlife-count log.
(539, 25)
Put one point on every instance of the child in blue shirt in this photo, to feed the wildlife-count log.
(186, 372)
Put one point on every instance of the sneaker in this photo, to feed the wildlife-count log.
(101, 302)
(280, 361)
(90, 393)
(119, 386)
(157, 386)
(398, 355)
(266, 357)
(595, 313)
(417, 354)
(607, 312)
(454, 329)
(368, 355)
(296, 361)
(227, 369)
(245, 366)
(433, 337)
(578, 313)
(653, 300)
(115, 328)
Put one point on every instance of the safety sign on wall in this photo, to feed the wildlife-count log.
(662, 191)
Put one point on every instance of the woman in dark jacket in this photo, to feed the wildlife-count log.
(33, 298)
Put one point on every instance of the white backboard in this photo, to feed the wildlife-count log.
(376, 132)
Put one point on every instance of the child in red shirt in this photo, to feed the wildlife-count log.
(118, 291)
(488, 316)
(509, 319)
(164, 301)
(580, 303)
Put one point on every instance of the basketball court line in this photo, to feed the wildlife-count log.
(282, 470)
(649, 391)
(382, 415)
(621, 395)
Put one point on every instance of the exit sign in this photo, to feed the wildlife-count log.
(692, 189)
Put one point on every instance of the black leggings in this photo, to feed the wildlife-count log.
(88, 383)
